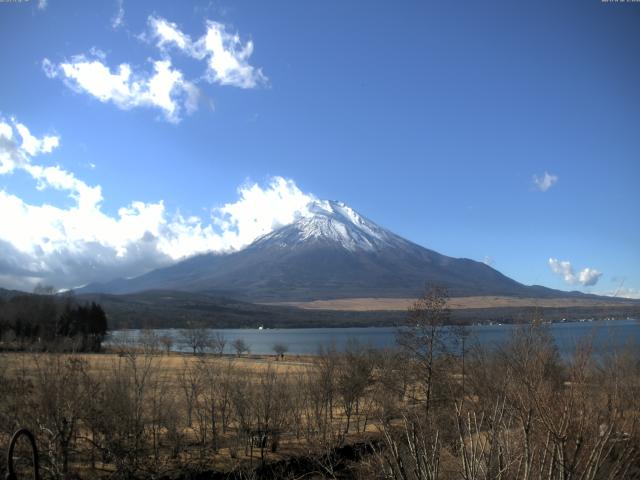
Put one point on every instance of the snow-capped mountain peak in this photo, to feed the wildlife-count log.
(331, 222)
(328, 251)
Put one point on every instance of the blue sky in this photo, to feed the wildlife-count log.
(434, 119)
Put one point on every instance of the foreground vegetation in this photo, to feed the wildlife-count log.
(514, 412)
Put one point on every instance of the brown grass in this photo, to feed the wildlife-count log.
(171, 365)
(455, 303)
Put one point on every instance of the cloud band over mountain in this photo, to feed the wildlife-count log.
(68, 247)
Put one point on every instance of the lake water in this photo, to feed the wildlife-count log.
(607, 335)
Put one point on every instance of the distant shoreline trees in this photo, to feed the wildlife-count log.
(50, 322)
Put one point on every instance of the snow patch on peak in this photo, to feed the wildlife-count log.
(339, 209)
(335, 223)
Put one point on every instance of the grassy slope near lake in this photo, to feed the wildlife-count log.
(172, 309)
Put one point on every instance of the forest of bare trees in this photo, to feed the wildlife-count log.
(514, 411)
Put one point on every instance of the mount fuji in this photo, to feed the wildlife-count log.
(331, 252)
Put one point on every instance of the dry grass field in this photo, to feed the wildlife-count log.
(170, 365)
(455, 303)
(180, 396)
(145, 414)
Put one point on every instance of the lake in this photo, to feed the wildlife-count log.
(607, 335)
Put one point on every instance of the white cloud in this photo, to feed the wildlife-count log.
(586, 277)
(228, 58)
(589, 276)
(624, 292)
(261, 210)
(78, 244)
(118, 18)
(33, 145)
(49, 68)
(563, 268)
(97, 53)
(168, 33)
(86, 197)
(621, 291)
(226, 55)
(42, 4)
(14, 155)
(164, 89)
(545, 182)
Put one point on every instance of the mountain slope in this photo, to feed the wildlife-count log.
(8, 294)
(331, 252)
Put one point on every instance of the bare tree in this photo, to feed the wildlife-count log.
(149, 341)
(323, 392)
(240, 394)
(218, 343)
(240, 346)
(410, 452)
(190, 384)
(167, 342)
(280, 349)
(60, 400)
(120, 416)
(353, 377)
(122, 342)
(270, 404)
(424, 335)
(197, 339)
